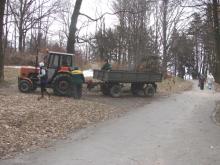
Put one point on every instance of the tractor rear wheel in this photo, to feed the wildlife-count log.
(63, 85)
(25, 86)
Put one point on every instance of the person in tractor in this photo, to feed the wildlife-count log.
(78, 79)
(43, 80)
(107, 66)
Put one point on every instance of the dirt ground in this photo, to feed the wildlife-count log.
(27, 124)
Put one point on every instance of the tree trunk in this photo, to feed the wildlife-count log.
(2, 9)
(6, 26)
(165, 8)
(20, 28)
(20, 40)
(217, 38)
(72, 33)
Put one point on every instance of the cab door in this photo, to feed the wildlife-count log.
(53, 65)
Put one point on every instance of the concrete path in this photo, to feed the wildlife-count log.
(177, 130)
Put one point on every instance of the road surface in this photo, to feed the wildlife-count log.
(177, 130)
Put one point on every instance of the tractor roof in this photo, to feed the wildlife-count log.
(61, 53)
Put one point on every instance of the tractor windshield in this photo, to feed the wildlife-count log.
(66, 61)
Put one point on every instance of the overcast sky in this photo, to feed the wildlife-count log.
(94, 9)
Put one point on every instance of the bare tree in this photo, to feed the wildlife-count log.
(134, 34)
(72, 30)
(171, 13)
(216, 19)
(2, 9)
(26, 15)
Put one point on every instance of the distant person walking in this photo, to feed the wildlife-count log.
(201, 81)
(210, 81)
(43, 80)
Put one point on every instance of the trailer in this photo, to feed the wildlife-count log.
(141, 83)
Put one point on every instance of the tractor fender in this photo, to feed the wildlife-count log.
(25, 78)
(64, 69)
(63, 72)
(60, 73)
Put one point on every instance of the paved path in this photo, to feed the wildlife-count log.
(177, 130)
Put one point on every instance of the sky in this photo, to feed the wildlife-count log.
(95, 8)
(92, 8)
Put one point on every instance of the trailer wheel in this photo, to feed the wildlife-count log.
(149, 91)
(105, 89)
(25, 86)
(115, 91)
(134, 89)
(137, 89)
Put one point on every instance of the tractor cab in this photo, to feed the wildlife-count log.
(58, 62)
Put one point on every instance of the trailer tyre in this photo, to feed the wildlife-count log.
(149, 91)
(115, 91)
(137, 89)
(105, 89)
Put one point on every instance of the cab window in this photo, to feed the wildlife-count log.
(54, 61)
(66, 61)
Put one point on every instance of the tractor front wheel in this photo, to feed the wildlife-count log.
(24, 86)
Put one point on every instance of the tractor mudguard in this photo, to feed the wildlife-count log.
(25, 78)
(64, 69)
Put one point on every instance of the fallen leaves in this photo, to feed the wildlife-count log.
(26, 122)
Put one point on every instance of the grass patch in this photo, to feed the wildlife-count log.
(11, 75)
(174, 85)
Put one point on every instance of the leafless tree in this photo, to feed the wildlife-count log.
(171, 13)
(28, 13)
(216, 19)
(72, 30)
(2, 9)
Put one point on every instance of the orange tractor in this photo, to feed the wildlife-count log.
(63, 78)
